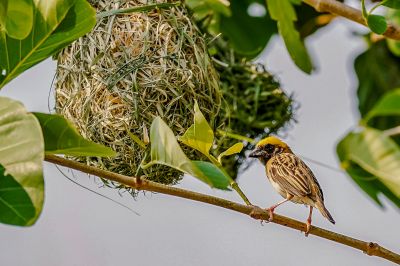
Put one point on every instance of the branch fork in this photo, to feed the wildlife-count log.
(343, 10)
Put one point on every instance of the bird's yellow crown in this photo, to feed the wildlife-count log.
(272, 140)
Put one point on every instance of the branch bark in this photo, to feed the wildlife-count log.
(343, 10)
(370, 248)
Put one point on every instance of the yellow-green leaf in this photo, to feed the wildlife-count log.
(235, 148)
(165, 150)
(388, 104)
(21, 154)
(199, 136)
(371, 157)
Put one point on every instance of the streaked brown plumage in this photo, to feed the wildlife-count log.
(290, 177)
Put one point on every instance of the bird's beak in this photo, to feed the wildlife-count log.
(257, 152)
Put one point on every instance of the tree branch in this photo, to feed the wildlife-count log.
(138, 183)
(340, 9)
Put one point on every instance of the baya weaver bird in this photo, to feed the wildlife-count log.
(290, 177)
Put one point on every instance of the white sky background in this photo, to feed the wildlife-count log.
(78, 227)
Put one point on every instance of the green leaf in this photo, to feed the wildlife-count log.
(55, 24)
(235, 148)
(220, 179)
(389, 104)
(374, 81)
(370, 156)
(61, 137)
(21, 154)
(19, 18)
(377, 23)
(395, 4)
(199, 136)
(247, 35)
(283, 12)
(311, 20)
(165, 150)
(3, 15)
(371, 185)
(16, 206)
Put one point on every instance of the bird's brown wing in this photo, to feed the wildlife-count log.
(293, 175)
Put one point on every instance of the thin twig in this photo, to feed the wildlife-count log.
(392, 131)
(370, 248)
(343, 10)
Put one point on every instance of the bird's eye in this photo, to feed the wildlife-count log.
(269, 148)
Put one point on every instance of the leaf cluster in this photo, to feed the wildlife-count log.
(166, 150)
(378, 23)
(370, 153)
(31, 31)
(34, 31)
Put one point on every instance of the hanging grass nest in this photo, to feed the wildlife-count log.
(257, 106)
(129, 69)
(254, 104)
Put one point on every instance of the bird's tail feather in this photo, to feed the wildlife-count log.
(321, 207)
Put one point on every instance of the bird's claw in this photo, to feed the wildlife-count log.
(308, 228)
(271, 214)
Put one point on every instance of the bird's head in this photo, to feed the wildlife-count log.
(268, 148)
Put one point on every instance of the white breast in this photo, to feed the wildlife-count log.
(277, 187)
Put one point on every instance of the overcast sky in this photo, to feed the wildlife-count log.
(78, 227)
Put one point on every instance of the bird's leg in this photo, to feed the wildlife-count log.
(308, 224)
(272, 208)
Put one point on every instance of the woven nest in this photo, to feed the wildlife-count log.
(254, 104)
(129, 69)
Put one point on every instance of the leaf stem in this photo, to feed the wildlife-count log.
(234, 136)
(369, 248)
(236, 187)
(233, 183)
(376, 6)
(364, 11)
